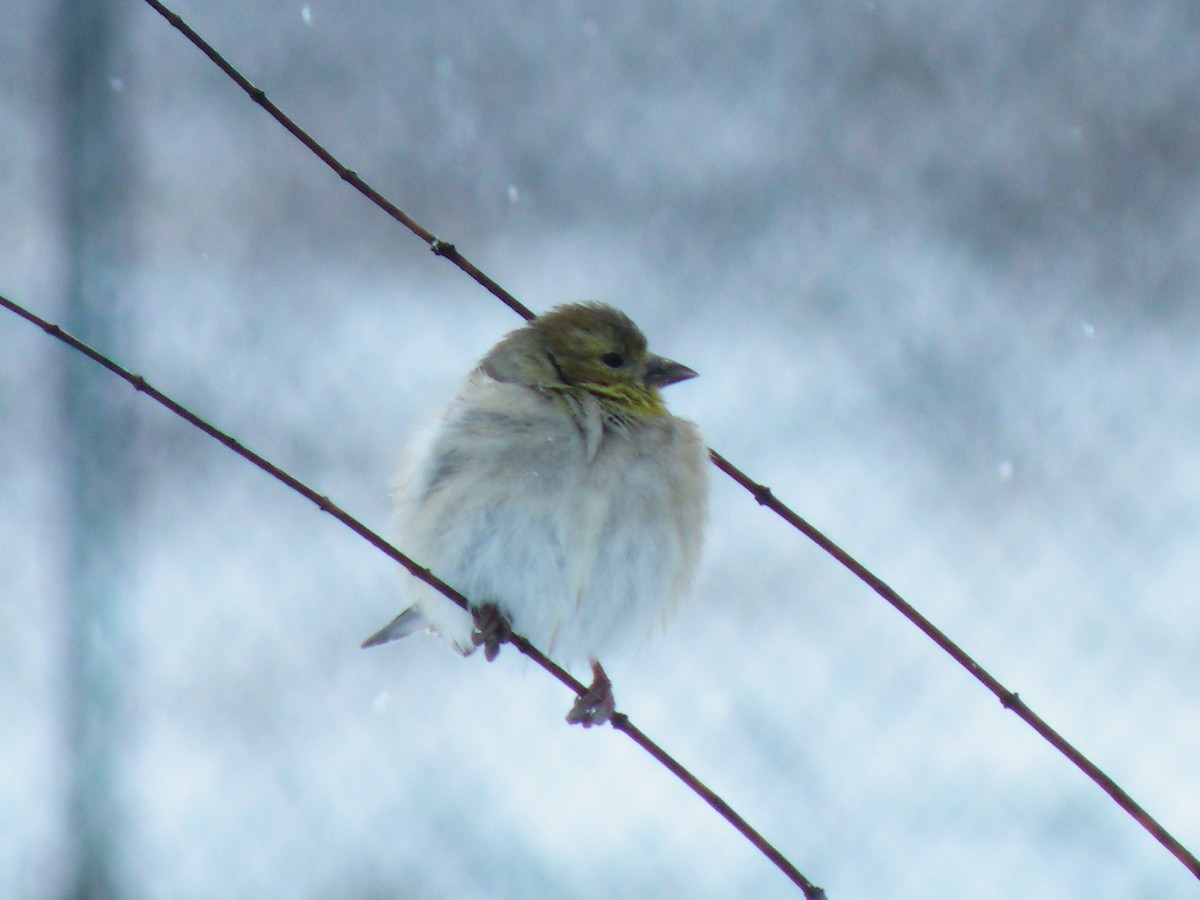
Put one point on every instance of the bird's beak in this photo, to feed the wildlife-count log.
(661, 372)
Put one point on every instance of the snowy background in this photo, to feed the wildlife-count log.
(938, 266)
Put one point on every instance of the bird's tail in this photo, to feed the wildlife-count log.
(408, 622)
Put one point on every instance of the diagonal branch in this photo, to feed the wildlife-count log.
(761, 493)
(1008, 699)
(619, 720)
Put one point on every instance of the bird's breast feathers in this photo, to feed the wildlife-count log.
(579, 527)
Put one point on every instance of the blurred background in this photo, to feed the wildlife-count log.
(938, 266)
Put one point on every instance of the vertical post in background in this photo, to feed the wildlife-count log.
(93, 148)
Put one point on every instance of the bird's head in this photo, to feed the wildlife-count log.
(587, 348)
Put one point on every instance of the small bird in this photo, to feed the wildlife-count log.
(557, 493)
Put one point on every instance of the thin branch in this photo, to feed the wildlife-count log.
(348, 175)
(1008, 699)
(761, 493)
(619, 721)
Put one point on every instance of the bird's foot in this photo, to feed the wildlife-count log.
(492, 628)
(596, 705)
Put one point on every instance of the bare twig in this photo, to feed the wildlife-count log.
(1008, 699)
(619, 720)
(761, 493)
(439, 247)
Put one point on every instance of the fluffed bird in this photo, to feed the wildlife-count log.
(559, 494)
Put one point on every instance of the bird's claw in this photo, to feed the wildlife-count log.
(492, 628)
(596, 705)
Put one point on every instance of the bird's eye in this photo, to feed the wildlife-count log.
(613, 360)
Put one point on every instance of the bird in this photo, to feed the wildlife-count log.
(558, 494)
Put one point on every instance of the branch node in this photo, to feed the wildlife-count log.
(444, 248)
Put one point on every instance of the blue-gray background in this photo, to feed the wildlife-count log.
(938, 265)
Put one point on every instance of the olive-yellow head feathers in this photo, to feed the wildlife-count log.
(587, 347)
